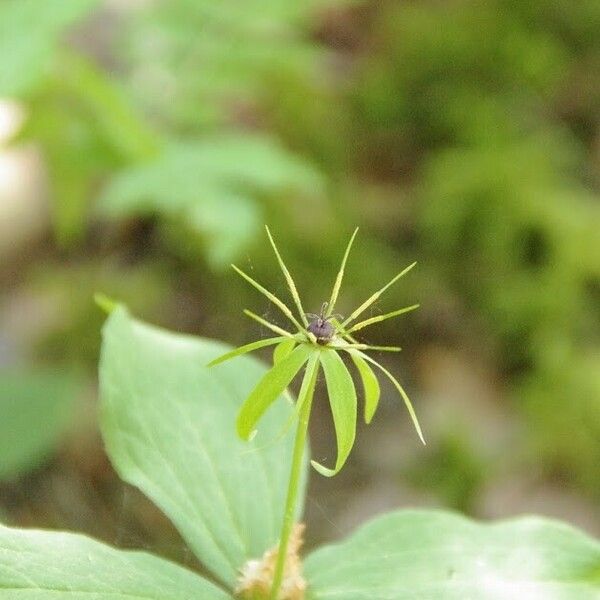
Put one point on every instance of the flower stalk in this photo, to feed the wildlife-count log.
(305, 399)
(318, 342)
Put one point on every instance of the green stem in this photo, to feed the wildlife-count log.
(295, 475)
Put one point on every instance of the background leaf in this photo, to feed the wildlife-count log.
(169, 427)
(212, 187)
(35, 409)
(429, 554)
(29, 32)
(41, 564)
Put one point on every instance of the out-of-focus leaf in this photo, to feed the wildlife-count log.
(29, 33)
(35, 409)
(168, 422)
(107, 105)
(211, 186)
(342, 397)
(215, 58)
(431, 554)
(86, 128)
(42, 564)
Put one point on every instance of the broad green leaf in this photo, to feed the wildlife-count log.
(29, 33)
(403, 394)
(342, 397)
(36, 407)
(168, 423)
(282, 350)
(39, 565)
(269, 388)
(370, 385)
(416, 554)
(245, 349)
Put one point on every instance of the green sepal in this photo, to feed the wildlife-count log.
(342, 398)
(403, 394)
(282, 350)
(245, 349)
(370, 385)
(268, 389)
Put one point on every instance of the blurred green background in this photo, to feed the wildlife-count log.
(143, 146)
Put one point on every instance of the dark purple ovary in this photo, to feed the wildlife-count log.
(323, 330)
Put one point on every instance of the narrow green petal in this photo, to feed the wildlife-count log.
(274, 299)
(282, 350)
(289, 279)
(370, 385)
(267, 324)
(376, 296)
(380, 318)
(268, 389)
(340, 276)
(407, 402)
(244, 349)
(342, 398)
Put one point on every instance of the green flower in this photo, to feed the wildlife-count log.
(317, 343)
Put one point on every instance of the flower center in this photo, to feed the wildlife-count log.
(322, 329)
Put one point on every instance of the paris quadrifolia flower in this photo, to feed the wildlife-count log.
(319, 342)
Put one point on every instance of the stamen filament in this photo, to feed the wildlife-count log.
(289, 279)
(267, 324)
(359, 346)
(376, 296)
(274, 299)
(340, 276)
(380, 318)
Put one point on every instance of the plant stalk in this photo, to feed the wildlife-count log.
(294, 482)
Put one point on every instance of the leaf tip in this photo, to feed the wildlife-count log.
(322, 470)
(105, 303)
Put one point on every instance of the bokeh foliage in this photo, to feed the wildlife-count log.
(460, 134)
